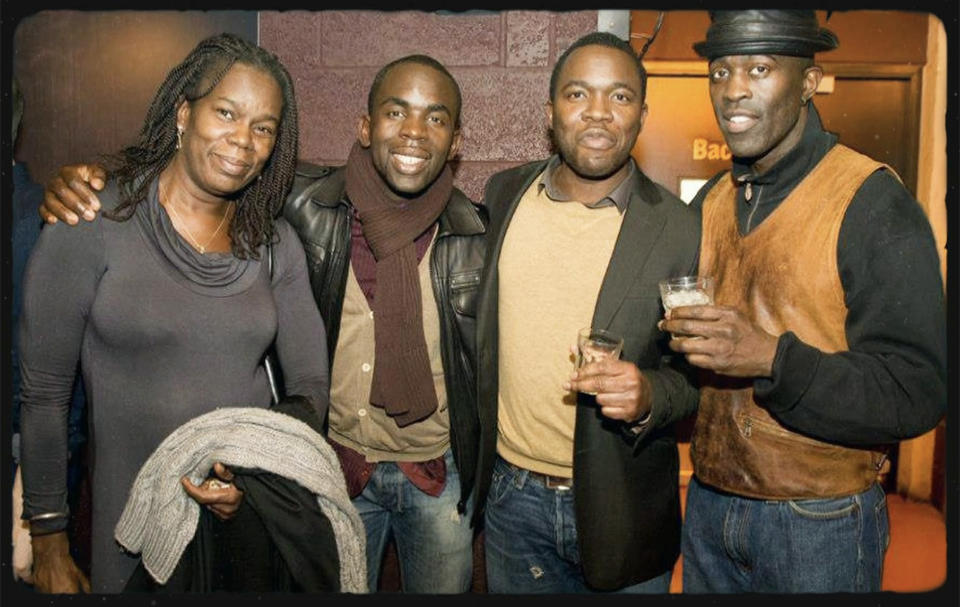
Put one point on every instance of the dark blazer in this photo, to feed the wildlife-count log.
(626, 485)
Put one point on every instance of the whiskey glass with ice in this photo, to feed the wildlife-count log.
(686, 291)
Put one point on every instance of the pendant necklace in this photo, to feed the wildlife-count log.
(202, 248)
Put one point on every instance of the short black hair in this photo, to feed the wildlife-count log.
(421, 60)
(600, 39)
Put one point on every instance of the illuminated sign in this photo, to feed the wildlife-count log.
(704, 149)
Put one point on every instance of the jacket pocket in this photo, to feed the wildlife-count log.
(749, 424)
(464, 287)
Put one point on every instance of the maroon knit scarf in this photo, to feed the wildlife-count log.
(402, 378)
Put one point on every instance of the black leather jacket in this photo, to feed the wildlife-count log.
(318, 209)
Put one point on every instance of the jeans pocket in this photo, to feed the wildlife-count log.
(883, 525)
(499, 485)
(824, 509)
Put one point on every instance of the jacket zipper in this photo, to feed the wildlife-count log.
(443, 303)
(753, 209)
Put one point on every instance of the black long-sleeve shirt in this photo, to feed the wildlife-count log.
(891, 383)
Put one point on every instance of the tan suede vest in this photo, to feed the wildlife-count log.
(784, 275)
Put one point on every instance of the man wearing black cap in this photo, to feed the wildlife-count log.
(827, 343)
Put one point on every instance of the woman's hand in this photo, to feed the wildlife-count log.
(218, 493)
(54, 571)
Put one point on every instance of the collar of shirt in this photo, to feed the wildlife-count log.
(619, 197)
(813, 145)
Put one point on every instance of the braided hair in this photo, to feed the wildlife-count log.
(137, 166)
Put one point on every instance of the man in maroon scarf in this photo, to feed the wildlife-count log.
(395, 254)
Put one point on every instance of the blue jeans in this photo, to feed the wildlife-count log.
(530, 539)
(434, 542)
(736, 544)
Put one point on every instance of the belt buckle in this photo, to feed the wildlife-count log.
(556, 482)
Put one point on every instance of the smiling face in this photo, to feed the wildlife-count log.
(597, 111)
(229, 134)
(759, 102)
(411, 131)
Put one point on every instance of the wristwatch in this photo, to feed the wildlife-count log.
(640, 425)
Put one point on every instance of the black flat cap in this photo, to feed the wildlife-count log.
(765, 32)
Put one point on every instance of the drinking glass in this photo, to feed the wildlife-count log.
(596, 344)
(686, 291)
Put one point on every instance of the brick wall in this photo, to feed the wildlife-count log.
(502, 60)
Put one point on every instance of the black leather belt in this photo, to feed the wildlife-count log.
(560, 483)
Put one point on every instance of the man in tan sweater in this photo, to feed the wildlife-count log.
(581, 491)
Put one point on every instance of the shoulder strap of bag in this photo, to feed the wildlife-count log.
(269, 364)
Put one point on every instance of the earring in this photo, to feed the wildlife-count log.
(179, 137)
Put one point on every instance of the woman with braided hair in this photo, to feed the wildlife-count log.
(167, 302)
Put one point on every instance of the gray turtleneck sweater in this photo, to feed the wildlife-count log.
(163, 334)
